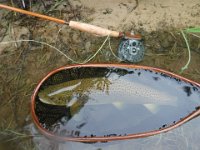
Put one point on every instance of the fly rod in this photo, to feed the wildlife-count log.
(130, 48)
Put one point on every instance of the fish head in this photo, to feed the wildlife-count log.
(60, 99)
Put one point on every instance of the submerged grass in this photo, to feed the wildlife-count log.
(11, 138)
(8, 133)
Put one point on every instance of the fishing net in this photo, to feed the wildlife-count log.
(52, 119)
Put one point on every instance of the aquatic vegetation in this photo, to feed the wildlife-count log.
(10, 135)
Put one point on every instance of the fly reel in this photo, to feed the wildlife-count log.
(131, 50)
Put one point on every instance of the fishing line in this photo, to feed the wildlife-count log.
(118, 58)
(58, 50)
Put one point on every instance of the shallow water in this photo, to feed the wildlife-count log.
(21, 70)
(185, 137)
(144, 100)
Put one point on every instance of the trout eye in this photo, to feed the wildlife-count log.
(58, 100)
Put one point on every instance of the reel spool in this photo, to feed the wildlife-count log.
(131, 50)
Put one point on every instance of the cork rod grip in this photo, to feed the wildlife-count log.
(93, 29)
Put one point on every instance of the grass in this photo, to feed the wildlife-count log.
(193, 30)
(184, 34)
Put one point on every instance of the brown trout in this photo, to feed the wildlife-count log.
(104, 91)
